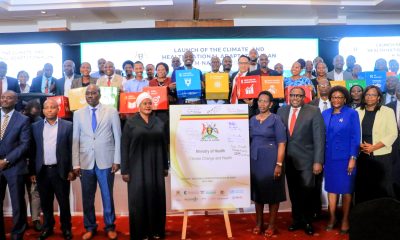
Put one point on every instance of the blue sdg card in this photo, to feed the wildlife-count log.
(377, 78)
(188, 83)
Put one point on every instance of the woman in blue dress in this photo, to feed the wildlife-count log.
(267, 150)
(341, 151)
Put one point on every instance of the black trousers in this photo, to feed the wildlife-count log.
(17, 194)
(49, 184)
(301, 184)
(317, 191)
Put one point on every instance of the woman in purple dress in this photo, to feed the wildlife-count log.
(267, 150)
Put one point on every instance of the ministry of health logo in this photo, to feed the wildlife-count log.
(209, 132)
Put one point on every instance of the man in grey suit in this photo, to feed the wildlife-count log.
(304, 156)
(338, 73)
(96, 152)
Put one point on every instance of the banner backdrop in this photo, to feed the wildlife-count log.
(210, 160)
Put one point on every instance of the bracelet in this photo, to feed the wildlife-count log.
(279, 164)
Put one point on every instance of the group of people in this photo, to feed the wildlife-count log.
(353, 150)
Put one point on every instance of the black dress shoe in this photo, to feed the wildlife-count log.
(37, 225)
(308, 229)
(294, 227)
(67, 234)
(45, 234)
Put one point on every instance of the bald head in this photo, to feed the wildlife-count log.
(8, 101)
(50, 109)
(68, 67)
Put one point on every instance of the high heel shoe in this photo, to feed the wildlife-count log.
(330, 227)
(270, 232)
(257, 230)
(344, 232)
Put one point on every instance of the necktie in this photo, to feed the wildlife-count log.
(94, 119)
(46, 87)
(392, 98)
(4, 125)
(234, 90)
(325, 106)
(293, 121)
(109, 81)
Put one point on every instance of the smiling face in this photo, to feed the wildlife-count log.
(50, 109)
(296, 69)
(227, 63)
(92, 95)
(161, 71)
(109, 68)
(321, 69)
(85, 69)
(338, 100)
(188, 58)
(372, 97)
(356, 93)
(296, 97)
(263, 60)
(215, 64)
(128, 68)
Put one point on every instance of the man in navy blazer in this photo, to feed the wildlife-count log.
(53, 167)
(44, 83)
(8, 83)
(14, 142)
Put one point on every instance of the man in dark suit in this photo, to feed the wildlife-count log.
(63, 85)
(323, 104)
(395, 105)
(304, 156)
(6, 82)
(53, 167)
(44, 83)
(14, 142)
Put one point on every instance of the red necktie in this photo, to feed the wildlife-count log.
(293, 121)
(234, 91)
(109, 81)
(46, 88)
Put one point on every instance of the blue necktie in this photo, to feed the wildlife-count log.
(94, 120)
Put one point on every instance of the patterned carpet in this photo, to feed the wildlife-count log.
(210, 227)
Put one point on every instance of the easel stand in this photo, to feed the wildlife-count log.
(226, 218)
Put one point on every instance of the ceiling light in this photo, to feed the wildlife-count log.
(342, 8)
(143, 8)
(43, 12)
(244, 6)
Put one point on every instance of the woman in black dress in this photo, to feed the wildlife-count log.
(144, 164)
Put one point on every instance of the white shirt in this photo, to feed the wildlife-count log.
(321, 104)
(291, 113)
(389, 98)
(5, 84)
(50, 142)
(338, 76)
(67, 84)
(234, 83)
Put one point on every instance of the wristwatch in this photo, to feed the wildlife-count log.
(353, 157)
(279, 164)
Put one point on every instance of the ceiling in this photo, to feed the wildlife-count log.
(36, 15)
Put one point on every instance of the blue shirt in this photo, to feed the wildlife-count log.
(135, 85)
(302, 81)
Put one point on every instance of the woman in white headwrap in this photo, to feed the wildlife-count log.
(144, 165)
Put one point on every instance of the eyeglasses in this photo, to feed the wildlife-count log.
(243, 63)
(263, 101)
(371, 95)
(337, 98)
(296, 95)
(323, 85)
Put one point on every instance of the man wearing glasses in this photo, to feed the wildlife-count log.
(304, 156)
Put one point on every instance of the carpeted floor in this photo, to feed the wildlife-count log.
(211, 227)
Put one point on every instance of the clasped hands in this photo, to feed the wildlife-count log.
(367, 148)
(126, 177)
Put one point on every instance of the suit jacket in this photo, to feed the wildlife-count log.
(384, 129)
(36, 86)
(12, 84)
(15, 143)
(60, 85)
(342, 137)
(103, 146)
(63, 147)
(77, 82)
(346, 75)
(395, 147)
(315, 102)
(116, 81)
(307, 143)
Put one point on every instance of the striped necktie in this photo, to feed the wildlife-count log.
(4, 125)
